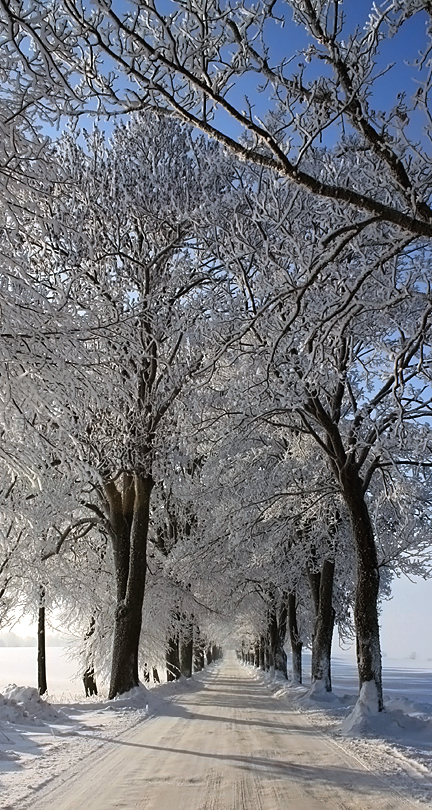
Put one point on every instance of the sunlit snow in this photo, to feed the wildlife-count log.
(40, 739)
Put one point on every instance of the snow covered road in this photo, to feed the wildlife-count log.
(227, 744)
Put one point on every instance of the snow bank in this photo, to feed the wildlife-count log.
(410, 707)
(401, 722)
(136, 698)
(11, 712)
(299, 694)
(366, 708)
(23, 704)
(317, 692)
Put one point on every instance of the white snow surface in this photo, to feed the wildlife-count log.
(42, 742)
(396, 742)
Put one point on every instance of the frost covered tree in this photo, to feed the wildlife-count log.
(143, 299)
(43, 519)
(357, 424)
(268, 81)
(339, 242)
(24, 165)
(272, 509)
(12, 539)
(338, 314)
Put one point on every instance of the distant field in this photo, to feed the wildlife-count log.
(411, 679)
(401, 677)
(19, 665)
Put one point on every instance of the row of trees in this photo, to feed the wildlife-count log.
(215, 349)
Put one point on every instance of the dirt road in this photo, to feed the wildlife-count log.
(227, 744)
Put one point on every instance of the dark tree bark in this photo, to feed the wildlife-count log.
(266, 655)
(321, 585)
(367, 586)
(262, 653)
(209, 658)
(280, 657)
(129, 518)
(155, 674)
(295, 640)
(186, 653)
(199, 660)
(41, 655)
(198, 650)
(272, 636)
(173, 659)
(256, 660)
(314, 578)
(89, 682)
(89, 678)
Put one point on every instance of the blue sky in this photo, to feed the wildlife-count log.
(285, 42)
(406, 620)
(406, 624)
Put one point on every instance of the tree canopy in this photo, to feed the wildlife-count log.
(216, 325)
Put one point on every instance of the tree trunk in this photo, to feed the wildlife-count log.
(262, 653)
(173, 659)
(321, 585)
(89, 679)
(198, 650)
(199, 660)
(186, 653)
(129, 515)
(41, 656)
(272, 635)
(280, 657)
(366, 593)
(266, 654)
(296, 642)
(314, 579)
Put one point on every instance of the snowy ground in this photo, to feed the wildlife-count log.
(398, 741)
(42, 744)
